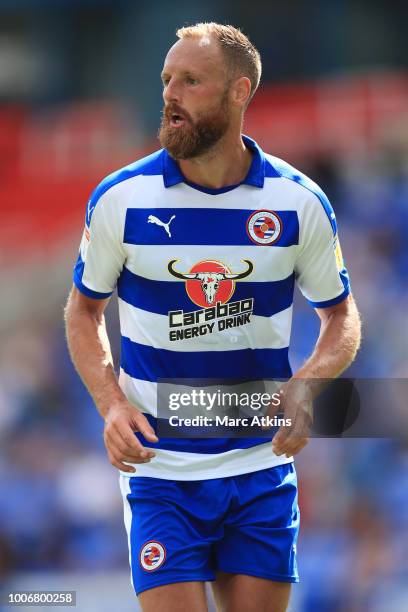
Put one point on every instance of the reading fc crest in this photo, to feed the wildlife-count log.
(152, 556)
(264, 227)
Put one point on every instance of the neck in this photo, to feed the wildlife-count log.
(225, 164)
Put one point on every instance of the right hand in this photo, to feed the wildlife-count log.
(121, 443)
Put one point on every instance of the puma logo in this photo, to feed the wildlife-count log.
(153, 219)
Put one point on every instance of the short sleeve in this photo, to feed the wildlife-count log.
(320, 271)
(101, 254)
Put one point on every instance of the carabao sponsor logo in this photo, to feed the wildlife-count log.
(209, 284)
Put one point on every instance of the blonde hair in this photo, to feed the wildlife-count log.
(242, 57)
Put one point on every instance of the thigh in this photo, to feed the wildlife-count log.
(261, 529)
(241, 593)
(170, 531)
(181, 597)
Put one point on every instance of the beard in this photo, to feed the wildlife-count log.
(193, 138)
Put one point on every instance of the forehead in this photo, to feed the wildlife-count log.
(195, 54)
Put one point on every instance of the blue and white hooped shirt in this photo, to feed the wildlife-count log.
(184, 259)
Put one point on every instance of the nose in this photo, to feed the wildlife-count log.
(171, 93)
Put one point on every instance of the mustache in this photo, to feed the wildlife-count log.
(175, 109)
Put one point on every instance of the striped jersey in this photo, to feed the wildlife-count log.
(205, 281)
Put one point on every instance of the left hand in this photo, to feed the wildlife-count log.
(296, 405)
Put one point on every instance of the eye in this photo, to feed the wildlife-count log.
(191, 81)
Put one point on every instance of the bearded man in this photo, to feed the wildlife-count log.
(204, 240)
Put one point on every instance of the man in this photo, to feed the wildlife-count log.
(208, 227)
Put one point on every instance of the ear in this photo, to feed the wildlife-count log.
(240, 91)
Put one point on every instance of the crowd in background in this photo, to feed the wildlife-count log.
(60, 505)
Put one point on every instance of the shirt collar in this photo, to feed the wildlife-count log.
(256, 174)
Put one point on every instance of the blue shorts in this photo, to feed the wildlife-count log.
(182, 531)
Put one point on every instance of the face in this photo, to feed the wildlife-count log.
(196, 112)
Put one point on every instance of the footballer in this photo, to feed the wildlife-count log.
(204, 240)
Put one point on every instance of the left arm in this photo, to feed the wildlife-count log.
(323, 279)
(338, 342)
(335, 350)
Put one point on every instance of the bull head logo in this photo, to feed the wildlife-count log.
(210, 280)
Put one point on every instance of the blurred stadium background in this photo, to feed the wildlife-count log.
(80, 95)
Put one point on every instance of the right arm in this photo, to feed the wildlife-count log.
(90, 352)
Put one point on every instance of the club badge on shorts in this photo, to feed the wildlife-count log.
(264, 227)
(152, 556)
